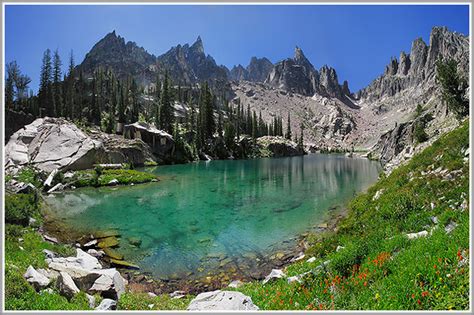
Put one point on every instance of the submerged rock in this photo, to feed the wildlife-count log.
(112, 253)
(222, 301)
(123, 264)
(110, 241)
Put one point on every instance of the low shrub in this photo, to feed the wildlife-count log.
(20, 207)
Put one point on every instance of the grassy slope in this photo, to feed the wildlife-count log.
(380, 268)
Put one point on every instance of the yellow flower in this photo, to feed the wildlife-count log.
(377, 296)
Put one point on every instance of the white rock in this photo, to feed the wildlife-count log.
(90, 243)
(31, 221)
(87, 261)
(222, 301)
(338, 248)
(113, 182)
(50, 239)
(110, 282)
(151, 294)
(150, 306)
(434, 220)
(66, 285)
(450, 227)
(106, 305)
(91, 300)
(274, 274)
(48, 182)
(378, 194)
(423, 233)
(236, 284)
(300, 256)
(312, 259)
(95, 253)
(177, 294)
(36, 279)
(48, 273)
(56, 187)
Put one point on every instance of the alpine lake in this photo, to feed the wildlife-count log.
(234, 219)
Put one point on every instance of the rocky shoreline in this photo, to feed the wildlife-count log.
(226, 272)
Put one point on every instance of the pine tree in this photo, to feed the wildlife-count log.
(69, 90)
(9, 90)
(300, 141)
(209, 125)
(288, 128)
(166, 107)
(44, 94)
(453, 87)
(219, 124)
(254, 126)
(56, 89)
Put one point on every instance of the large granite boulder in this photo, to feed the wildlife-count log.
(37, 279)
(52, 143)
(222, 301)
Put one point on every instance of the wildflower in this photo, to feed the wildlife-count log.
(434, 266)
(413, 296)
(419, 302)
(425, 293)
(365, 283)
(377, 296)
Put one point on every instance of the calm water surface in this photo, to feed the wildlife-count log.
(206, 215)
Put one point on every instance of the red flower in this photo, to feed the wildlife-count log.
(365, 283)
(413, 296)
(425, 293)
(419, 302)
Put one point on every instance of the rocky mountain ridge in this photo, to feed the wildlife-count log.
(333, 116)
(257, 70)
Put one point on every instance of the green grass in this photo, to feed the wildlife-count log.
(124, 177)
(142, 301)
(379, 267)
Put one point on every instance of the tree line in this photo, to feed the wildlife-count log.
(102, 99)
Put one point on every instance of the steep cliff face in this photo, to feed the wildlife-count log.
(295, 74)
(298, 75)
(189, 64)
(258, 69)
(124, 58)
(418, 67)
(388, 104)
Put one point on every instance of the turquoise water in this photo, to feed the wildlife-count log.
(208, 215)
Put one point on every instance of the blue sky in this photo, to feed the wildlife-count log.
(357, 41)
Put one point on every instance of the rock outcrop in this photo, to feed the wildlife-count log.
(124, 58)
(298, 75)
(189, 64)
(418, 68)
(222, 301)
(52, 143)
(56, 144)
(257, 70)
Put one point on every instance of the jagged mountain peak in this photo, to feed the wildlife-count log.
(418, 67)
(198, 46)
